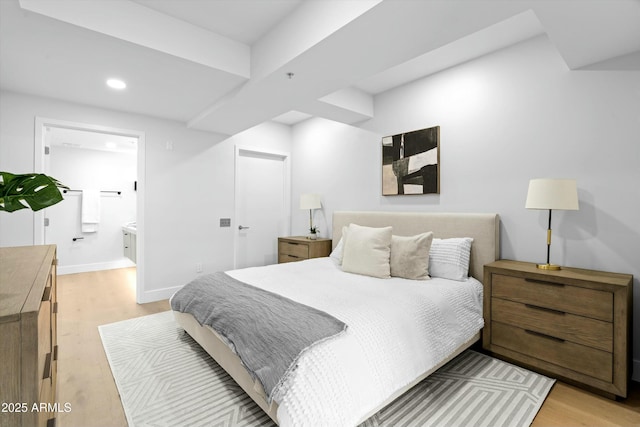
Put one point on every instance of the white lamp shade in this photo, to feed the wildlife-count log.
(547, 193)
(310, 201)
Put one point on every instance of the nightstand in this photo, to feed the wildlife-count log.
(572, 324)
(298, 248)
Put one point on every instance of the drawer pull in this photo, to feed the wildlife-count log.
(55, 308)
(47, 367)
(292, 243)
(55, 353)
(538, 334)
(293, 256)
(542, 282)
(549, 310)
(46, 295)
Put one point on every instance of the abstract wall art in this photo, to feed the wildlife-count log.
(411, 162)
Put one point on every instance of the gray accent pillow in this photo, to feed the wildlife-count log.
(410, 256)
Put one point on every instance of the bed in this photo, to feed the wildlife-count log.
(348, 378)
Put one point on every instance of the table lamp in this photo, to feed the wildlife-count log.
(311, 202)
(547, 193)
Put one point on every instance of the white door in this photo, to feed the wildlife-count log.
(262, 206)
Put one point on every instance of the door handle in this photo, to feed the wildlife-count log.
(241, 227)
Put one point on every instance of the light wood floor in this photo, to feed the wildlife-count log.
(88, 300)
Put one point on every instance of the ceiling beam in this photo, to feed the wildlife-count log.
(385, 34)
(138, 24)
(351, 99)
(308, 25)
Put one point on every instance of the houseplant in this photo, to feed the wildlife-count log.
(313, 232)
(31, 190)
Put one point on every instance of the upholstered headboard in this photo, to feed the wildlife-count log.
(484, 228)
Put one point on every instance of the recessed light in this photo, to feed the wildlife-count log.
(116, 84)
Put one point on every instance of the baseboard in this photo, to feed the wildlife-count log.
(84, 268)
(157, 294)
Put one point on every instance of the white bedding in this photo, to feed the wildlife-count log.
(398, 329)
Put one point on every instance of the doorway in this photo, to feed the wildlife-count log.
(105, 159)
(262, 194)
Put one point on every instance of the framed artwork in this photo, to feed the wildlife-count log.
(411, 162)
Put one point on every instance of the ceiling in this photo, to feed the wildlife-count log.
(227, 65)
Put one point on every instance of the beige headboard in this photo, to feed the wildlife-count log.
(484, 228)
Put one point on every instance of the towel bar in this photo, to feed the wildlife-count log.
(102, 191)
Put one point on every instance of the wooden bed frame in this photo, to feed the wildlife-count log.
(483, 228)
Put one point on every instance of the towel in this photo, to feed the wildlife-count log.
(90, 211)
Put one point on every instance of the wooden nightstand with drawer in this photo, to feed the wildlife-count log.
(573, 324)
(298, 248)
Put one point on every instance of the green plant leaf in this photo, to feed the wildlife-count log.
(31, 190)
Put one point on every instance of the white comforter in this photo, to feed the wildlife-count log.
(397, 330)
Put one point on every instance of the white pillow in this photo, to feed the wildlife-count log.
(336, 253)
(410, 256)
(366, 251)
(449, 258)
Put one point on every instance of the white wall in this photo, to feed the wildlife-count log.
(187, 188)
(505, 118)
(337, 161)
(79, 169)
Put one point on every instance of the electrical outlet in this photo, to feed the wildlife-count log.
(198, 267)
(225, 222)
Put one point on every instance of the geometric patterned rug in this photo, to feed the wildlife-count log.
(165, 379)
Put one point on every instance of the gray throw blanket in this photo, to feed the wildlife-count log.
(269, 332)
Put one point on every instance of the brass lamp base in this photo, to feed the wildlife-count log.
(548, 267)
